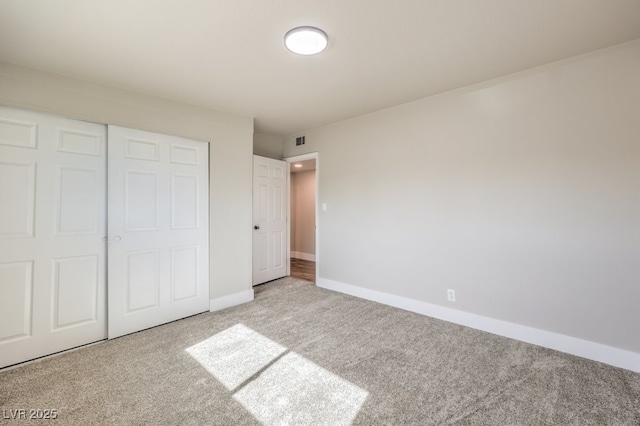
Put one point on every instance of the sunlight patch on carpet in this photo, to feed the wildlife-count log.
(297, 391)
(289, 389)
(235, 354)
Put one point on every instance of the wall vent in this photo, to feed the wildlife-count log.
(300, 140)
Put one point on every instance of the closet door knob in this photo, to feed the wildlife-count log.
(256, 227)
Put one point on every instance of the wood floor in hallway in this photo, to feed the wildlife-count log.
(303, 269)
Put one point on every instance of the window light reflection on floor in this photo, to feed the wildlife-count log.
(289, 388)
(235, 354)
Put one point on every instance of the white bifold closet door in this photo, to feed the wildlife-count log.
(53, 232)
(158, 225)
(52, 229)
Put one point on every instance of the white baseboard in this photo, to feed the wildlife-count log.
(235, 299)
(571, 345)
(303, 256)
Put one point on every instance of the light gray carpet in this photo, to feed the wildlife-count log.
(298, 350)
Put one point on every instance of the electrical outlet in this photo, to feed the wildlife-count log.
(451, 295)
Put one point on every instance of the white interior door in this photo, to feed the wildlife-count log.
(158, 229)
(52, 229)
(269, 219)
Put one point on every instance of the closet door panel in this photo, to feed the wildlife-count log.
(52, 229)
(158, 229)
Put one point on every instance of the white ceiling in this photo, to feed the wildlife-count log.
(229, 55)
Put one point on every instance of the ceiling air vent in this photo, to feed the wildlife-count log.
(300, 140)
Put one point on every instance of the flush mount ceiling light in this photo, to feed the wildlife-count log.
(297, 165)
(306, 40)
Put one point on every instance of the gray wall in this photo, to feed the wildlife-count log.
(303, 214)
(522, 194)
(267, 146)
(230, 137)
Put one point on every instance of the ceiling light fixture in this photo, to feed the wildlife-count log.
(306, 40)
(297, 165)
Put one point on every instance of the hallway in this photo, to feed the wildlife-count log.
(303, 269)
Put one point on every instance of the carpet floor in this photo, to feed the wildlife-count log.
(300, 354)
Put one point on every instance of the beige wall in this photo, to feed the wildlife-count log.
(231, 146)
(522, 194)
(267, 146)
(303, 215)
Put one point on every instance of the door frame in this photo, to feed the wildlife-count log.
(294, 159)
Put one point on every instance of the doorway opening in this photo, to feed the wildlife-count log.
(303, 235)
